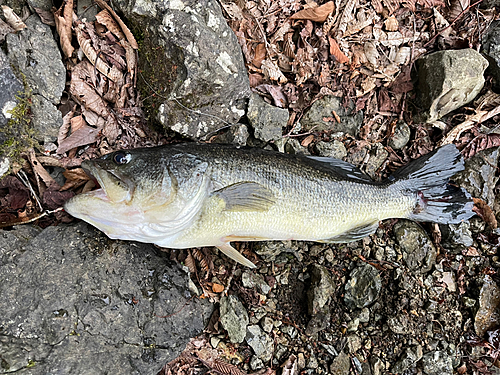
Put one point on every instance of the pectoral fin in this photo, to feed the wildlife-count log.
(234, 254)
(246, 196)
(354, 234)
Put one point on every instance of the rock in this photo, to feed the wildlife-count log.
(236, 135)
(321, 289)
(267, 324)
(478, 177)
(399, 324)
(256, 363)
(36, 54)
(91, 300)
(408, 359)
(260, 342)
(491, 50)
(191, 56)
(488, 314)
(448, 80)
(378, 154)
(267, 120)
(4, 166)
(401, 136)
(456, 236)
(353, 343)
(437, 363)
(418, 250)
(255, 281)
(341, 365)
(335, 149)
(234, 318)
(47, 119)
(377, 365)
(363, 287)
(321, 109)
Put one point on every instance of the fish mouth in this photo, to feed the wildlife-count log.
(112, 187)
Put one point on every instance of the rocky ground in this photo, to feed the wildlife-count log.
(376, 84)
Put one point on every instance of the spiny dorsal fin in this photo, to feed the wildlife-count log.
(341, 168)
(235, 255)
(246, 196)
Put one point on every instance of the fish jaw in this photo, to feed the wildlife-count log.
(114, 186)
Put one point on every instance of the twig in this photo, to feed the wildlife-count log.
(24, 179)
(451, 24)
(35, 218)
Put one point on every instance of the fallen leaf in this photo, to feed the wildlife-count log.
(336, 52)
(319, 14)
(391, 24)
(83, 136)
(260, 54)
(63, 26)
(13, 19)
(74, 178)
(484, 211)
(217, 288)
(307, 140)
(46, 16)
(13, 194)
(128, 34)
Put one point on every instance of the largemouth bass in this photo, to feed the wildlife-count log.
(193, 195)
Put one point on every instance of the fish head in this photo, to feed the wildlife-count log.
(132, 185)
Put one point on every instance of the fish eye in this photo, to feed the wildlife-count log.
(121, 158)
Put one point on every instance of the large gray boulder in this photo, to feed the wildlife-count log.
(191, 60)
(74, 302)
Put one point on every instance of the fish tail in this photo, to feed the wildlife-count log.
(428, 177)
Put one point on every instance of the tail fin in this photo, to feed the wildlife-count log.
(428, 177)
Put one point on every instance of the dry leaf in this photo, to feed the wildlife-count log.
(271, 71)
(336, 52)
(83, 136)
(217, 288)
(130, 37)
(74, 178)
(63, 26)
(391, 24)
(46, 16)
(457, 7)
(13, 19)
(307, 140)
(260, 54)
(484, 211)
(319, 14)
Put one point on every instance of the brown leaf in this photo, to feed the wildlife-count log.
(13, 194)
(13, 19)
(307, 140)
(40, 172)
(260, 55)
(480, 143)
(74, 178)
(53, 199)
(318, 14)
(46, 16)
(391, 24)
(336, 52)
(128, 34)
(63, 26)
(484, 211)
(217, 288)
(279, 99)
(83, 136)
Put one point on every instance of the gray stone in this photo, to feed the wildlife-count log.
(488, 314)
(47, 119)
(437, 363)
(71, 297)
(456, 236)
(236, 135)
(321, 109)
(260, 342)
(191, 58)
(419, 252)
(401, 136)
(378, 154)
(408, 360)
(491, 50)
(363, 287)
(267, 120)
(377, 365)
(399, 324)
(10, 86)
(341, 365)
(335, 149)
(321, 289)
(479, 176)
(448, 80)
(234, 318)
(255, 281)
(353, 343)
(36, 54)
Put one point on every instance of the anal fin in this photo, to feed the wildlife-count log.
(353, 234)
(234, 254)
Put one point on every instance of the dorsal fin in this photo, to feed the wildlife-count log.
(342, 168)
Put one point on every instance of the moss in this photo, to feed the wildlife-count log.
(31, 363)
(18, 135)
(161, 68)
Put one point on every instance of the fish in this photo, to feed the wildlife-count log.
(196, 195)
